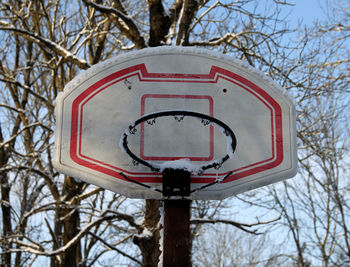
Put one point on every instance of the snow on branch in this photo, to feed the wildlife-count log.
(47, 44)
(189, 9)
(227, 38)
(125, 23)
(37, 249)
(79, 198)
(110, 10)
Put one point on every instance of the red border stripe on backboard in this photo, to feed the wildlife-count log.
(141, 72)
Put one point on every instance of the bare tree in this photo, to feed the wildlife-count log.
(314, 205)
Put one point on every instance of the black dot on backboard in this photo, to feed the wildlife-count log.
(224, 90)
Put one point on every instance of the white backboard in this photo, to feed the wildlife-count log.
(98, 105)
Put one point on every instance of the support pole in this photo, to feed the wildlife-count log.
(176, 247)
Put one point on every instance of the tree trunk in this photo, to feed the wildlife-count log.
(149, 244)
(5, 206)
(71, 222)
(6, 219)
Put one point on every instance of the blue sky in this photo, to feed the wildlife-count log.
(307, 11)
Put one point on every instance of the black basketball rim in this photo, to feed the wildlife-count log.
(213, 164)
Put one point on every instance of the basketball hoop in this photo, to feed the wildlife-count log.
(96, 108)
(176, 177)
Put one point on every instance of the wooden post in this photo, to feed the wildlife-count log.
(176, 246)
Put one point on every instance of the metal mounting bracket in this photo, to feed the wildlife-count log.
(176, 182)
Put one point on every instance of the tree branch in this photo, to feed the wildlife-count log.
(45, 44)
(175, 11)
(227, 38)
(22, 130)
(128, 218)
(189, 9)
(159, 23)
(242, 226)
(213, 221)
(27, 88)
(124, 23)
(114, 248)
(41, 251)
